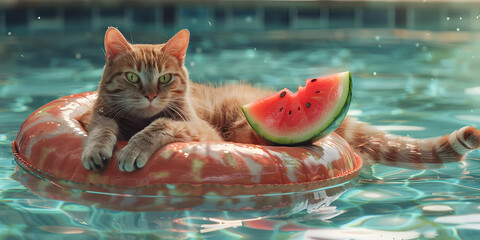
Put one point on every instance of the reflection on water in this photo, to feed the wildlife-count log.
(86, 217)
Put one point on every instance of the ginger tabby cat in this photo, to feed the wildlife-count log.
(145, 96)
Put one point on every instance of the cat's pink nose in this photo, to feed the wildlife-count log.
(151, 96)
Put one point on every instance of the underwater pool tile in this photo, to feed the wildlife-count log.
(144, 15)
(78, 19)
(375, 17)
(341, 17)
(278, 18)
(169, 15)
(400, 17)
(16, 18)
(426, 19)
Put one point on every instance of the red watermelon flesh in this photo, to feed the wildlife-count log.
(312, 112)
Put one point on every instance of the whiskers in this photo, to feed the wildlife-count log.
(178, 111)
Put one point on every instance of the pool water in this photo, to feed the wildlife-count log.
(420, 88)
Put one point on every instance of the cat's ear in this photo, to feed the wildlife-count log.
(178, 44)
(115, 43)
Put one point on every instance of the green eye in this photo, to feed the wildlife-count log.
(165, 78)
(132, 77)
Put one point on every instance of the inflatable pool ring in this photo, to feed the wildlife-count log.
(49, 146)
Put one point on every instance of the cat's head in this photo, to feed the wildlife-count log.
(142, 80)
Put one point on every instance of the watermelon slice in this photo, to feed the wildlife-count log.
(314, 111)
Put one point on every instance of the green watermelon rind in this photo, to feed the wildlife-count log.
(320, 130)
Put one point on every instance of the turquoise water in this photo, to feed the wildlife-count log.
(409, 86)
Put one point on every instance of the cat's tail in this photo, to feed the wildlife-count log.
(381, 147)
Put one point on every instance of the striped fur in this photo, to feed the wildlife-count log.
(381, 147)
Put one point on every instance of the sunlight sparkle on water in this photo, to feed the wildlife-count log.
(436, 209)
(373, 195)
(459, 219)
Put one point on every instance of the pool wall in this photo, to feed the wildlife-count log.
(47, 16)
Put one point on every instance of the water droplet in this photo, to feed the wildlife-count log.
(209, 23)
(448, 18)
(377, 37)
(192, 64)
(9, 33)
(78, 55)
(38, 18)
(458, 29)
(379, 46)
(429, 57)
(478, 17)
(374, 73)
(254, 49)
(21, 55)
(460, 18)
(417, 44)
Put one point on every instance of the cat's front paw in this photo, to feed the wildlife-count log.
(132, 157)
(96, 157)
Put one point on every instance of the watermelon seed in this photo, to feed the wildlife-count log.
(317, 92)
(281, 109)
(283, 94)
(299, 109)
(290, 112)
(308, 104)
(313, 80)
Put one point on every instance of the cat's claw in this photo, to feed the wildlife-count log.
(95, 159)
(131, 159)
